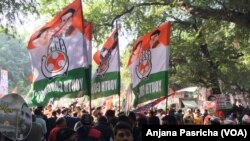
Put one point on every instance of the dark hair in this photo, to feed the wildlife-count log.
(86, 119)
(136, 46)
(64, 134)
(122, 125)
(110, 113)
(155, 32)
(54, 113)
(41, 32)
(38, 112)
(71, 10)
(102, 119)
(60, 120)
(132, 116)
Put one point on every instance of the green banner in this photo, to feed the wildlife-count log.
(155, 86)
(106, 85)
(74, 84)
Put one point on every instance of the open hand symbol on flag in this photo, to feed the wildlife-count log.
(56, 62)
(144, 66)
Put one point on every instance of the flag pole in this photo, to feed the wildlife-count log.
(119, 77)
(89, 73)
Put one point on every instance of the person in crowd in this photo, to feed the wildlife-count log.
(169, 120)
(152, 119)
(246, 118)
(123, 132)
(160, 114)
(132, 121)
(41, 121)
(60, 124)
(214, 121)
(188, 117)
(51, 123)
(85, 131)
(204, 114)
(179, 117)
(231, 119)
(141, 120)
(198, 120)
(103, 126)
(71, 121)
(36, 132)
(66, 134)
(112, 119)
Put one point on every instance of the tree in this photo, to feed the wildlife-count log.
(209, 41)
(15, 59)
(12, 12)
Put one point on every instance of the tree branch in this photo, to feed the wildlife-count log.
(129, 10)
(238, 18)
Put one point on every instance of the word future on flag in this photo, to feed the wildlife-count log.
(107, 77)
(59, 57)
(149, 64)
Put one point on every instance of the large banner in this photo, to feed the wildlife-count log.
(149, 64)
(3, 83)
(106, 80)
(59, 57)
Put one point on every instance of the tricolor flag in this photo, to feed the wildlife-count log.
(59, 57)
(106, 81)
(149, 64)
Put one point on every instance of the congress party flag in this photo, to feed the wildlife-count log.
(149, 64)
(106, 81)
(59, 57)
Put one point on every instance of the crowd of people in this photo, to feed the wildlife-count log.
(75, 124)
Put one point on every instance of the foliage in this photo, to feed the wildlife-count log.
(209, 41)
(13, 12)
(15, 59)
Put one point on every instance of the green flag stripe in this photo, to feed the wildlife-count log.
(155, 86)
(73, 84)
(106, 85)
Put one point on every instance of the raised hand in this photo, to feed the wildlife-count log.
(56, 61)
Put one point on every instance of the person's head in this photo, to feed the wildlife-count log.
(132, 117)
(154, 38)
(151, 113)
(38, 112)
(65, 111)
(67, 15)
(169, 120)
(66, 134)
(214, 121)
(110, 114)
(61, 122)
(137, 47)
(123, 132)
(102, 119)
(54, 113)
(86, 119)
(67, 21)
(197, 112)
(49, 107)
